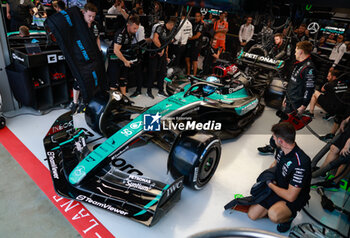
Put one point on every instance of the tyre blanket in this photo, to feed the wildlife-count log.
(80, 50)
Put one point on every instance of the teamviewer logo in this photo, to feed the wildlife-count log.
(151, 122)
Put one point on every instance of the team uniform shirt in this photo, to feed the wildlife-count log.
(294, 168)
(94, 29)
(124, 39)
(277, 49)
(336, 87)
(154, 29)
(212, 52)
(184, 33)
(220, 25)
(19, 9)
(163, 34)
(337, 53)
(301, 84)
(246, 32)
(335, 97)
(197, 27)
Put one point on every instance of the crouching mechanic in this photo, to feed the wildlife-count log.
(290, 191)
(122, 43)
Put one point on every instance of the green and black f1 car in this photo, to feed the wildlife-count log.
(189, 125)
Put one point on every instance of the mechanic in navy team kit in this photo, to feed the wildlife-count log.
(300, 86)
(89, 13)
(158, 60)
(291, 187)
(194, 44)
(212, 54)
(125, 58)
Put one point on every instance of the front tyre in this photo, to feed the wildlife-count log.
(194, 155)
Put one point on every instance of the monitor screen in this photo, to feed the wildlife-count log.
(32, 48)
(69, 3)
(78, 3)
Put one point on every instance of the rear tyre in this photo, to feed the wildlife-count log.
(195, 156)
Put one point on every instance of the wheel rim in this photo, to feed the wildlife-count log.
(208, 166)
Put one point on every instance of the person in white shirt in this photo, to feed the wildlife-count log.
(118, 8)
(181, 38)
(338, 51)
(140, 34)
(246, 32)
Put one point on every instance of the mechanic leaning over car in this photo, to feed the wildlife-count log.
(122, 43)
(291, 188)
(300, 86)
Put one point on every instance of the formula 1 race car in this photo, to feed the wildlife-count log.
(268, 77)
(228, 73)
(189, 125)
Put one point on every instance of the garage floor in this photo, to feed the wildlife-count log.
(25, 211)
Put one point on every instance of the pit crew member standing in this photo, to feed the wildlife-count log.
(122, 43)
(338, 51)
(181, 38)
(89, 13)
(300, 86)
(212, 54)
(290, 191)
(246, 33)
(19, 13)
(158, 60)
(194, 44)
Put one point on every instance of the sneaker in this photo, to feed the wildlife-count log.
(135, 94)
(82, 108)
(308, 113)
(162, 94)
(328, 117)
(327, 137)
(149, 94)
(268, 149)
(73, 107)
(284, 227)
